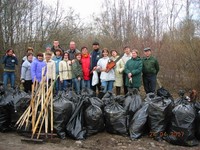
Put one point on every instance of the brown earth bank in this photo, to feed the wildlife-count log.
(101, 141)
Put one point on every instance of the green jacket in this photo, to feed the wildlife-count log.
(150, 65)
(77, 69)
(133, 66)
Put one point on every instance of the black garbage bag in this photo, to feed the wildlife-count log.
(115, 119)
(96, 101)
(72, 96)
(182, 128)
(137, 124)
(13, 104)
(75, 127)
(108, 98)
(62, 111)
(197, 120)
(159, 116)
(5, 118)
(94, 119)
(162, 92)
(88, 92)
(132, 103)
(2, 90)
(120, 99)
(182, 99)
(21, 100)
(18, 101)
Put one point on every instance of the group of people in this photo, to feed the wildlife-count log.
(74, 69)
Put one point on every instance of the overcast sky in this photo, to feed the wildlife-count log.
(83, 7)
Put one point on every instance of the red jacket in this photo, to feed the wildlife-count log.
(85, 59)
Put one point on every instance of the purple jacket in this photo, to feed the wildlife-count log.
(36, 69)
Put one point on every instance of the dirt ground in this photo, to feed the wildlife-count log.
(101, 141)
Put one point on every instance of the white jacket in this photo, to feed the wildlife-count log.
(65, 70)
(105, 76)
(51, 69)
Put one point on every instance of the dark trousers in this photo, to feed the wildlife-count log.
(118, 90)
(124, 82)
(27, 86)
(149, 82)
(58, 86)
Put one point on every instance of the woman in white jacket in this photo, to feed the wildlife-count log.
(107, 78)
(119, 68)
(65, 72)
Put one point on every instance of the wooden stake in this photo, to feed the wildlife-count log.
(46, 101)
(52, 111)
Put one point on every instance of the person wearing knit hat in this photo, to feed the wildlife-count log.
(57, 58)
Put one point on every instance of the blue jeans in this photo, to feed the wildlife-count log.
(149, 82)
(108, 86)
(11, 76)
(87, 84)
(67, 84)
(78, 84)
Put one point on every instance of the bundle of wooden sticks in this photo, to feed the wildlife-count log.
(37, 112)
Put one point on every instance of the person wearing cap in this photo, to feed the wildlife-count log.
(95, 55)
(133, 70)
(125, 58)
(9, 61)
(26, 79)
(77, 74)
(65, 72)
(57, 58)
(85, 59)
(72, 50)
(29, 50)
(56, 45)
(150, 71)
(37, 67)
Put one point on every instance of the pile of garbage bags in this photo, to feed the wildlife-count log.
(78, 116)
(13, 103)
